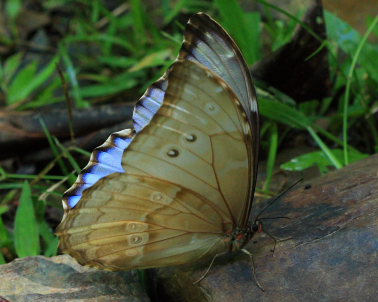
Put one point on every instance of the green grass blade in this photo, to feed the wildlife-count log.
(72, 77)
(348, 39)
(68, 155)
(283, 113)
(331, 137)
(288, 115)
(26, 236)
(116, 84)
(53, 147)
(287, 14)
(318, 158)
(335, 162)
(2, 259)
(52, 248)
(245, 28)
(10, 67)
(171, 13)
(273, 147)
(156, 58)
(49, 238)
(253, 41)
(3, 209)
(13, 8)
(4, 235)
(80, 151)
(30, 80)
(139, 18)
(98, 38)
(347, 89)
(21, 79)
(44, 97)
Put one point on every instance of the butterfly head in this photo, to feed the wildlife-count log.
(257, 226)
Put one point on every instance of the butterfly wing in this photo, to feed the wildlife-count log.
(184, 181)
(127, 221)
(206, 42)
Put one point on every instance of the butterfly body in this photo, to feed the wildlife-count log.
(179, 186)
(238, 238)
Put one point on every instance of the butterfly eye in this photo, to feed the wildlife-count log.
(173, 153)
(190, 137)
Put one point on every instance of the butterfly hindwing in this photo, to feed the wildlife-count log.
(126, 221)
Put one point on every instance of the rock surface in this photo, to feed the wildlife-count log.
(62, 279)
(332, 253)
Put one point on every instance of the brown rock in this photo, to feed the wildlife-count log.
(62, 279)
(332, 254)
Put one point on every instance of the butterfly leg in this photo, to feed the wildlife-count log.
(253, 268)
(275, 239)
(209, 267)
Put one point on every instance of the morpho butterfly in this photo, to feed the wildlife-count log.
(179, 186)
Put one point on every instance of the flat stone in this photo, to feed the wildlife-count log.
(61, 278)
(331, 253)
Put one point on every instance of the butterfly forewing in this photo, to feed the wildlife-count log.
(206, 42)
(198, 137)
(171, 190)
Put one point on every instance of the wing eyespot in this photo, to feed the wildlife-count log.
(211, 108)
(137, 239)
(190, 138)
(131, 226)
(173, 153)
(157, 196)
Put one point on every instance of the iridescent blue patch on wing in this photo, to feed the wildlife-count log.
(148, 105)
(141, 117)
(73, 200)
(122, 143)
(107, 158)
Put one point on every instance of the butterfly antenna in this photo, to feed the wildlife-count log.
(278, 197)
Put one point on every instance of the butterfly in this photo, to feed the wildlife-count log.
(179, 186)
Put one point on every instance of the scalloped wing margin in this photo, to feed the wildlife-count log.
(107, 158)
